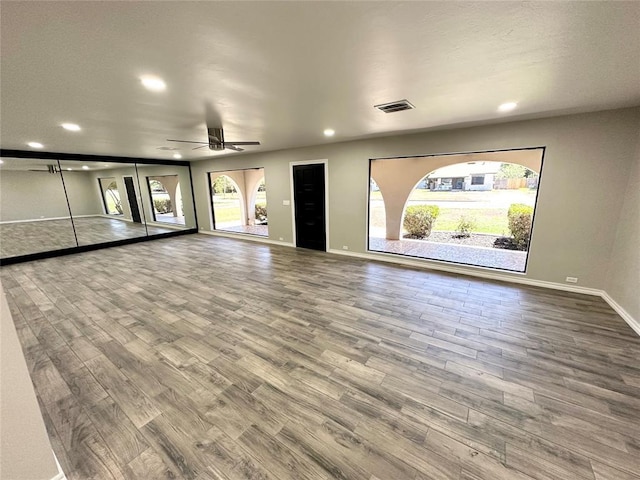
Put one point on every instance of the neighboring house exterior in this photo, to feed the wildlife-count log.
(464, 176)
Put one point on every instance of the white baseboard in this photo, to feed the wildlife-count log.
(626, 316)
(473, 271)
(31, 220)
(249, 237)
(170, 226)
(115, 217)
(60, 475)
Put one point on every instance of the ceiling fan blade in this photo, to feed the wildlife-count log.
(185, 141)
(242, 143)
(201, 146)
(233, 147)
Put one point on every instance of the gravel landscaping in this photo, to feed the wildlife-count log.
(459, 253)
(475, 240)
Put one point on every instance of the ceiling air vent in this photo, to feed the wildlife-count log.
(397, 106)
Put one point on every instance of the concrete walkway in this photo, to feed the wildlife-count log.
(262, 230)
(481, 256)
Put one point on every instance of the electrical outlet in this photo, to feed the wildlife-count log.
(572, 280)
(345, 247)
(281, 239)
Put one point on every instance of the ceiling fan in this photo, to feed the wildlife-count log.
(216, 141)
(49, 169)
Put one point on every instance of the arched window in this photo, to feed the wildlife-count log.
(166, 199)
(111, 196)
(478, 211)
(239, 201)
(227, 203)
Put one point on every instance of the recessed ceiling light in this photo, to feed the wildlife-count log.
(507, 107)
(72, 127)
(155, 84)
(35, 144)
(1, 161)
(329, 132)
(177, 156)
(84, 167)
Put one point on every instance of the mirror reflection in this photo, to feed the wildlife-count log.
(166, 197)
(111, 196)
(47, 205)
(105, 201)
(34, 216)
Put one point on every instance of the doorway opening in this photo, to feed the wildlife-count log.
(132, 198)
(309, 193)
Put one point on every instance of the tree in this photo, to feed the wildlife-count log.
(511, 170)
(223, 185)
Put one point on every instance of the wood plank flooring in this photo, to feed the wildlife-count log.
(210, 358)
(44, 235)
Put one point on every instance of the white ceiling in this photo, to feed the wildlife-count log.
(282, 72)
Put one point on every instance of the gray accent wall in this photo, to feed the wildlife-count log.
(585, 174)
(26, 195)
(624, 269)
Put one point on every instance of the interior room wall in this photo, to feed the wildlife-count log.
(81, 192)
(31, 196)
(623, 284)
(587, 161)
(28, 195)
(25, 450)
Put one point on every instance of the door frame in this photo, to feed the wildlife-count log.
(325, 162)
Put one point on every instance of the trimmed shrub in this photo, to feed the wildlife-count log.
(419, 219)
(520, 216)
(465, 225)
(162, 205)
(261, 213)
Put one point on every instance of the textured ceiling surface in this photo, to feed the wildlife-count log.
(282, 72)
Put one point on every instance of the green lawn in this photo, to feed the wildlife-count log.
(489, 213)
(227, 207)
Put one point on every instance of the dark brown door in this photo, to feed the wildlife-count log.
(133, 202)
(308, 194)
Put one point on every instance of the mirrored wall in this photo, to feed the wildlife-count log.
(48, 205)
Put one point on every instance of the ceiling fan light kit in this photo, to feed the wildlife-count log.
(216, 141)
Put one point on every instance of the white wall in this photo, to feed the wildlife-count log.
(28, 195)
(587, 161)
(624, 270)
(25, 451)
